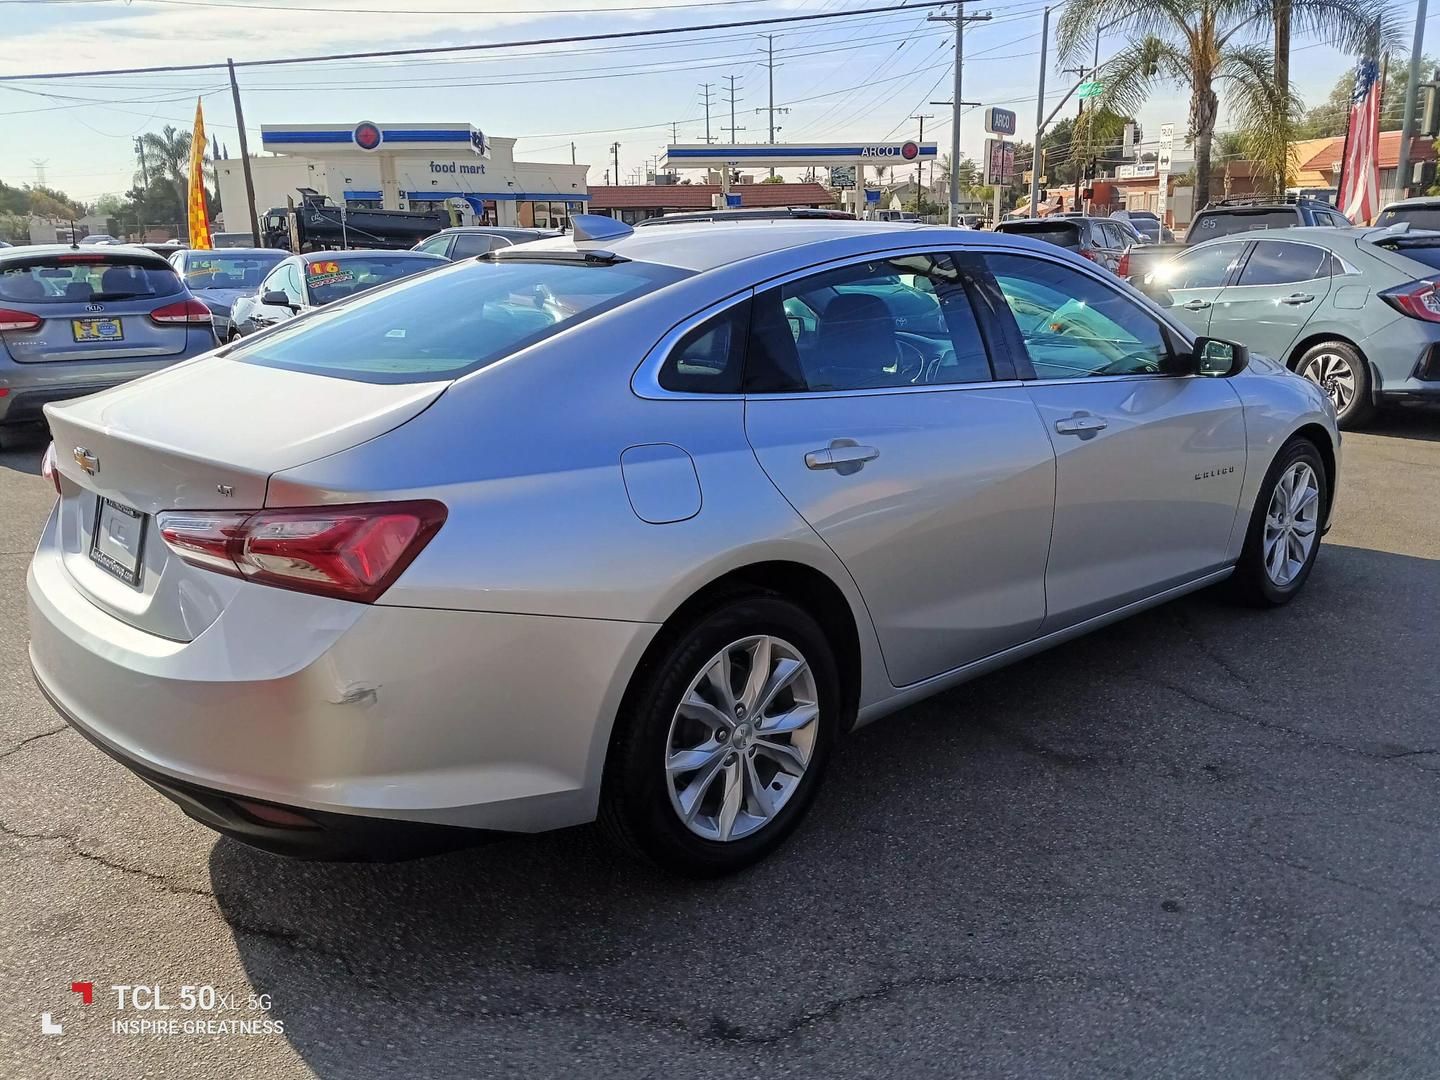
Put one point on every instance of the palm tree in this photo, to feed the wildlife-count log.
(1350, 25)
(1195, 43)
(168, 154)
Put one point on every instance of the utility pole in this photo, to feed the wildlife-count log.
(1037, 156)
(731, 92)
(958, 20)
(572, 153)
(771, 109)
(615, 149)
(919, 169)
(244, 156)
(1407, 128)
(707, 99)
(144, 172)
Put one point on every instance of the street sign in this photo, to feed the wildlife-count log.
(1162, 169)
(999, 121)
(1091, 89)
(999, 161)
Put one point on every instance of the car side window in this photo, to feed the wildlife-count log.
(709, 358)
(468, 245)
(290, 285)
(1114, 237)
(436, 245)
(1073, 326)
(1201, 268)
(902, 321)
(272, 282)
(1277, 262)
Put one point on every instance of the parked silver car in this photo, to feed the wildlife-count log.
(74, 320)
(635, 525)
(219, 278)
(1356, 310)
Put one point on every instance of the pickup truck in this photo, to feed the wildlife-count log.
(1230, 216)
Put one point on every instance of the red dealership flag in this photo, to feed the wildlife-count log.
(1359, 196)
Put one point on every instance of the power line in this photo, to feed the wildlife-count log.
(387, 11)
(485, 47)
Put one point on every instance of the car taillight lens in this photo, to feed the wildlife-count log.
(1419, 299)
(351, 552)
(49, 468)
(1086, 253)
(18, 320)
(187, 311)
(1124, 268)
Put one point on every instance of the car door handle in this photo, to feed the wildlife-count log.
(1081, 424)
(1297, 298)
(1197, 305)
(842, 455)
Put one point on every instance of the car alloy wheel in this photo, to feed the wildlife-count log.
(1292, 523)
(1333, 374)
(742, 738)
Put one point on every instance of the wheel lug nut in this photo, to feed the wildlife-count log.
(722, 736)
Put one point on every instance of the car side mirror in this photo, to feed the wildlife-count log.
(1218, 359)
(276, 298)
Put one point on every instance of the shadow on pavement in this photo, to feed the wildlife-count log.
(1191, 842)
(1406, 422)
(22, 446)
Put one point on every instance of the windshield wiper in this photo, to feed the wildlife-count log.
(115, 295)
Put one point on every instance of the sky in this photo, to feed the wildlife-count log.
(857, 78)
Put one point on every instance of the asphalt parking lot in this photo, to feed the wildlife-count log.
(1200, 843)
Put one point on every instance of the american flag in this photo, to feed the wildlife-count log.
(1360, 167)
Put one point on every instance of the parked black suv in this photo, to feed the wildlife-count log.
(1238, 215)
(1422, 212)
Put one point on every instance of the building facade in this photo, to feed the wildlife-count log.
(404, 167)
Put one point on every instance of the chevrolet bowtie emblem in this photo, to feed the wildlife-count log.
(86, 460)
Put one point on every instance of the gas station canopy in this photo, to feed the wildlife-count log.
(777, 155)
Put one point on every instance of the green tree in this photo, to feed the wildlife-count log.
(1328, 120)
(1195, 43)
(967, 175)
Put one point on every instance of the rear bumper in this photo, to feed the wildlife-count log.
(27, 406)
(465, 719)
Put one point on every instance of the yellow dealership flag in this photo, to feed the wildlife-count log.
(199, 221)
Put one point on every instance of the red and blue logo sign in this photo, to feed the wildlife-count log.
(367, 136)
(910, 151)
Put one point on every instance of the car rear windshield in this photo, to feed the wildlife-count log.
(221, 271)
(452, 322)
(1064, 234)
(1426, 254)
(69, 279)
(334, 279)
(1228, 222)
(1420, 217)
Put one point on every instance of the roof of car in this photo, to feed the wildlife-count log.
(43, 251)
(1418, 200)
(500, 230)
(702, 246)
(230, 251)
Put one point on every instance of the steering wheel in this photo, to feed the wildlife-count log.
(912, 362)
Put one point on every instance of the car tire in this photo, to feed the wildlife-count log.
(1276, 560)
(1344, 375)
(750, 786)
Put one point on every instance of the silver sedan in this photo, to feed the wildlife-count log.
(636, 525)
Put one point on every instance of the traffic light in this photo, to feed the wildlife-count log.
(1090, 169)
(1430, 110)
(1422, 175)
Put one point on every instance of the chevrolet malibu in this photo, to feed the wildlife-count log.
(637, 525)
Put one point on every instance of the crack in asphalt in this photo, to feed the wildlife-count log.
(1336, 879)
(34, 738)
(104, 860)
(1185, 692)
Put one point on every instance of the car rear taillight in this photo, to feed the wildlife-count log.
(1124, 268)
(186, 311)
(1420, 299)
(18, 320)
(1086, 253)
(50, 469)
(350, 551)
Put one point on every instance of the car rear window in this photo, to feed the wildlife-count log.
(1228, 222)
(452, 322)
(221, 271)
(1426, 254)
(1064, 234)
(1421, 217)
(334, 279)
(69, 279)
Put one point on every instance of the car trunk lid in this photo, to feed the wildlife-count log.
(203, 435)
